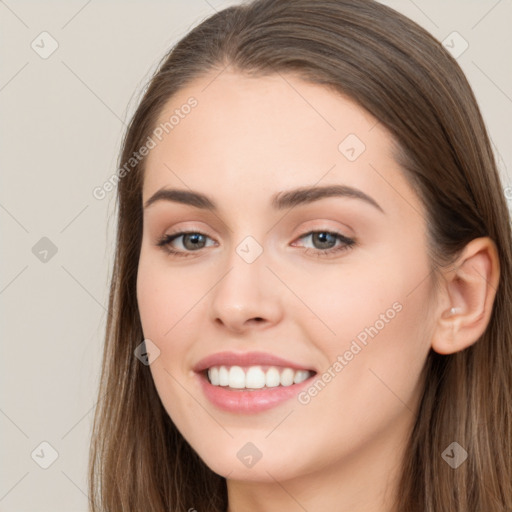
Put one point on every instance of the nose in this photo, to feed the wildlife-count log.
(247, 296)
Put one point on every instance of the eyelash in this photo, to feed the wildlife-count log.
(348, 243)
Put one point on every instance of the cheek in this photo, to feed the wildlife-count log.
(165, 296)
(152, 296)
(373, 373)
(166, 307)
(376, 318)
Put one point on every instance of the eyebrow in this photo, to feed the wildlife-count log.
(279, 201)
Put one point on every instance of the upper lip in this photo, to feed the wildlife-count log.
(245, 359)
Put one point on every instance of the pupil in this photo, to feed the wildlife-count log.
(194, 239)
(324, 238)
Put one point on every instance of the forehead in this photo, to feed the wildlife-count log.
(256, 135)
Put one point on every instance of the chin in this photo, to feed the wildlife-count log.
(232, 466)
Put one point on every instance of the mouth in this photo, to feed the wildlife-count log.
(257, 377)
(253, 389)
(250, 382)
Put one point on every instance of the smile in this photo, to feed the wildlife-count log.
(255, 377)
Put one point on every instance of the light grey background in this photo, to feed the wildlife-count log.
(62, 119)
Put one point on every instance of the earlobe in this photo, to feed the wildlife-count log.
(469, 290)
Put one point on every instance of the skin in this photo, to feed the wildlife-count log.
(247, 139)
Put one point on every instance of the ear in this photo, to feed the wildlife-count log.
(467, 297)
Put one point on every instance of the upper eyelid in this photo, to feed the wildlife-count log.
(342, 231)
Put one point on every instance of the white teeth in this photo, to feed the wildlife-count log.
(287, 377)
(223, 376)
(272, 378)
(254, 377)
(214, 376)
(236, 377)
(300, 376)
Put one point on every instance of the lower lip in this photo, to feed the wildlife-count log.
(248, 402)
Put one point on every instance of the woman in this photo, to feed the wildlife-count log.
(314, 245)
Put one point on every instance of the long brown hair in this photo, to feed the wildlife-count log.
(404, 77)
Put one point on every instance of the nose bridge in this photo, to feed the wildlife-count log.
(247, 290)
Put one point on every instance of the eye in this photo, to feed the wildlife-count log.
(194, 241)
(191, 241)
(326, 242)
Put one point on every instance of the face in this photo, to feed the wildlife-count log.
(335, 284)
